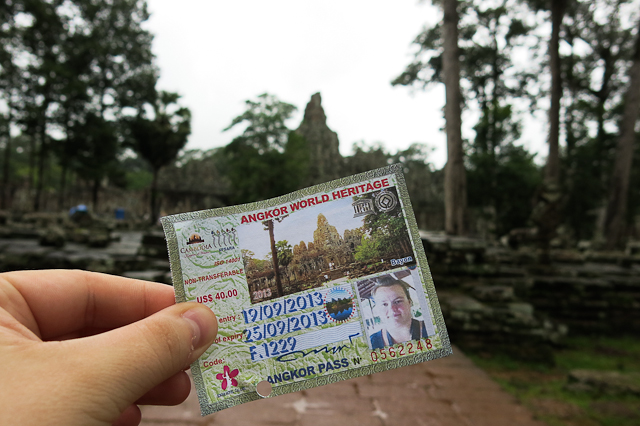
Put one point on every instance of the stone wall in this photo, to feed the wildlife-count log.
(493, 296)
(590, 298)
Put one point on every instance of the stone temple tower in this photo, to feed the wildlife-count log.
(326, 237)
(326, 163)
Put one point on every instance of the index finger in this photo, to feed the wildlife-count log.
(54, 303)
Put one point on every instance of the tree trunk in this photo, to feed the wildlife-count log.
(63, 185)
(547, 212)
(552, 169)
(41, 162)
(494, 141)
(274, 258)
(94, 194)
(154, 196)
(32, 158)
(455, 181)
(615, 219)
(7, 164)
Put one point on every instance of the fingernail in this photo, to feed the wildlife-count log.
(200, 325)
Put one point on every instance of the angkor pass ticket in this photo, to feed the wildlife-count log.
(324, 284)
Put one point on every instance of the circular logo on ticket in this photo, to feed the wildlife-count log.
(339, 304)
(386, 201)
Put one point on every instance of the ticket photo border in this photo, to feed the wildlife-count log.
(421, 260)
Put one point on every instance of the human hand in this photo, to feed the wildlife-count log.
(81, 348)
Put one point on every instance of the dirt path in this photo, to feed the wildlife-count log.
(446, 392)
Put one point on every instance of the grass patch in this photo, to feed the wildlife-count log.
(543, 388)
(622, 354)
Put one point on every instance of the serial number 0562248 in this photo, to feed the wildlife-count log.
(401, 350)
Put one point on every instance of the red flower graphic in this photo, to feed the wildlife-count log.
(228, 377)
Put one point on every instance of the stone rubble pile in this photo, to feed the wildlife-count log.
(56, 241)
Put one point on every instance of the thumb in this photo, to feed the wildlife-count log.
(135, 358)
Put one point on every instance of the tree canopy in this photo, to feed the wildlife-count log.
(158, 139)
(70, 71)
(267, 159)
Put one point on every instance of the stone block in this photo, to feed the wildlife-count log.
(154, 245)
(604, 382)
(53, 236)
(633, 248)
(493, 293)
(567, 256)
(98, 238)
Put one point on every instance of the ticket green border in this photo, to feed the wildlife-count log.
(176, 274)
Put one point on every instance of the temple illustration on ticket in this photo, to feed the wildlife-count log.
(324, 284)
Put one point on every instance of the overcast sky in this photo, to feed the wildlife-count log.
(217, 54)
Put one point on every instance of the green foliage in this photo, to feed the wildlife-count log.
(425, 71)
(390, 230)
(19, 166)
(296, 160)
(506, 181)
(634, 187)
(608, 353)
(518, 178)
(256, 265)
(96, 146)
(339, 305)
(68, 70)
(367, 251)
(366, 158)
(120, 70)
(159, 138)
(488, 36)
(425, 190)
(253, 175)
(595, 79)
(284, 253)
(138, 175)
(265, 123)
(386, 233)
(585, 187)
(598, 42)
(268, 159)
(540, 386)
(415, 160)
